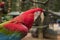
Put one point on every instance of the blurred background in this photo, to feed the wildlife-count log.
(39, 31)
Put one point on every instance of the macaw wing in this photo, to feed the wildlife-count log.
(16, 27)
(19, 31)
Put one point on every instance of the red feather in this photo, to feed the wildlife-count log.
(16, 27)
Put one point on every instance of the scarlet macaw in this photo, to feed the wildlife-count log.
(18, 27)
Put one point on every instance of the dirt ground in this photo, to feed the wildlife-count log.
(29, 37)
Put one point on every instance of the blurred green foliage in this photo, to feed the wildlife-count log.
(27, 4)
(57, 6)
(13, 7)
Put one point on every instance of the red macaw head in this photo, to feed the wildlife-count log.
(29, 16)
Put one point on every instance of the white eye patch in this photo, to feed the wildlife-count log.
(36, 14)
